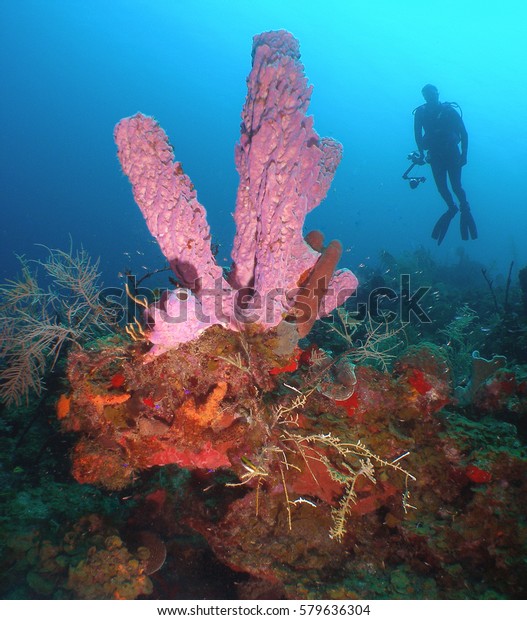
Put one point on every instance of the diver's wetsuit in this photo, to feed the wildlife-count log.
(443, 129)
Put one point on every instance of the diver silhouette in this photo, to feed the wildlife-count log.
(438, 129)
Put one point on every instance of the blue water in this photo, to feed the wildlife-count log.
(72, 68)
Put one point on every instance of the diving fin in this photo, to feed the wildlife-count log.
(442, 224)
(467, 224)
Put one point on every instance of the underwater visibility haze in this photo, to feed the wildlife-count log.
(226, 317)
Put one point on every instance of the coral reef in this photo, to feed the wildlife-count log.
(310, 502)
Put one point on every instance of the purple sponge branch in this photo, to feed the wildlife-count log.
(167, 200)
(285, 171)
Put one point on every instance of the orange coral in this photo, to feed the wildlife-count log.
(92, 465)
(100, 401)
(63, 406)
(203, 415)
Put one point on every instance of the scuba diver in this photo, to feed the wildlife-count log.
(438, 129)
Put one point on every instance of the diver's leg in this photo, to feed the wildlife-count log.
(454, 174)
(466, 222)
(439, 170)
